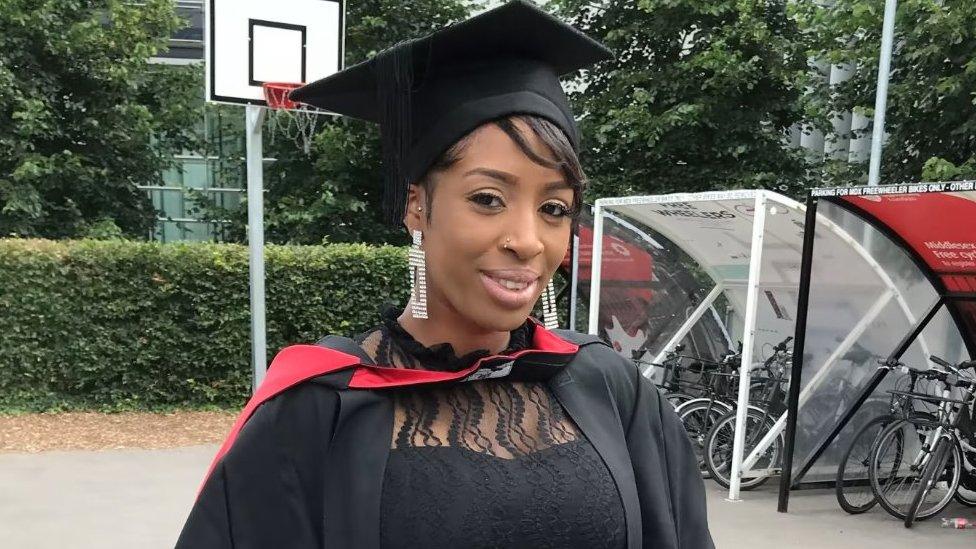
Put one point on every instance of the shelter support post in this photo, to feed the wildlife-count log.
(688, 324)
(254, 119)
(574, 282)
(596, 264)
(821, 375)
(865, 393)
(799, 341)
(748, 342)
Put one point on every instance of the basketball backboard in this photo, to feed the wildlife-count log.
(250, 42)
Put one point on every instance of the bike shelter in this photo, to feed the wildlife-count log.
(922, 302)
(738, 254)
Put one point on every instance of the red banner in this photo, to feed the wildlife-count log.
(939, 227)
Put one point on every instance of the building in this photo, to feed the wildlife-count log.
(219, 176)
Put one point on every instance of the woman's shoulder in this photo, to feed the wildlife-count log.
(296, 412)
(597, 362)
(293, 398)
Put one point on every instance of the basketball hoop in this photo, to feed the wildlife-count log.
(294, 120)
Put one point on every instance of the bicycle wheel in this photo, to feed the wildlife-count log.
(966, 496)
(939, 480)
(698, 416)
(720, 441)
(894, 470)
(853, 487)
(966, 493)
(677, 399)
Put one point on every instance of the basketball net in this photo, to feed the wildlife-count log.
(293, 120)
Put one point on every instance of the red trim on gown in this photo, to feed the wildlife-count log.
(298, 363)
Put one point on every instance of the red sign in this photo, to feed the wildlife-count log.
(939, 227)
(621, 261)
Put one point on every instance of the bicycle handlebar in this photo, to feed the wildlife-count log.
(781, 346)
(964, 365)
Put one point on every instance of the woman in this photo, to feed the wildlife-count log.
(460, 421)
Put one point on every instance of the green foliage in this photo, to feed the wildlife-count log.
(701, 95)
(931, 112)
(84, 117)
(131, 325)
(940, 169)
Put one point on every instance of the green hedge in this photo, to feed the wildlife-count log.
(131, 325)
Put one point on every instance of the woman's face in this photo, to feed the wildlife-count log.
(499, 227)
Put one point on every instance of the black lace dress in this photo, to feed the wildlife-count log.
(491, 463)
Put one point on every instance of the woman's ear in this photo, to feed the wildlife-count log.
(415, 218)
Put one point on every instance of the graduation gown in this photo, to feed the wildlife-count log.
(304, 464)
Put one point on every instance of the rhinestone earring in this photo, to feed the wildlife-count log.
(418, 277)
(550, 318)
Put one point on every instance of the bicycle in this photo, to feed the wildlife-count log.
(671, 385)
(852, 487)
(904, 448)
(698, 414)
(947, 462)
(765, 405)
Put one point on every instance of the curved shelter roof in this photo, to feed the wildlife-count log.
(936, 225)
(717, 229)
(924, 236)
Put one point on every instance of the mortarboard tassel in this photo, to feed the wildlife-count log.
(394, 67)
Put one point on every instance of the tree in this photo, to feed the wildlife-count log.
(84, 116)
(334, 194)
(701, 95)
(931, 113)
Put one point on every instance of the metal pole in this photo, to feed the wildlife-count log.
(596, 265)
(799, 341)
(254, 117)
(748, 343)
(574, 283)
(881, 97)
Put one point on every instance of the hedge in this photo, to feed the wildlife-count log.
(114, 325)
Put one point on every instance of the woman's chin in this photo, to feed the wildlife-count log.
(496, 319)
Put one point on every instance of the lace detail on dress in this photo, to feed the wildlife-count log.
(501, 419)
(492, 463)
(392, 345)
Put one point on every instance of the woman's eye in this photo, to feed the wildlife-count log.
(555, 209)
(487, 200)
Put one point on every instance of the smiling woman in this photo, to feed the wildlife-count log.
(460, 421)
(495, 229)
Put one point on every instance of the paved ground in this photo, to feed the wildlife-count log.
(816, 521)
(139, 498)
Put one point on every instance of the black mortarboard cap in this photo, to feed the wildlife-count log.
(428, 93)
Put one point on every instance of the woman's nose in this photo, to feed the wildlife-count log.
(522, 235)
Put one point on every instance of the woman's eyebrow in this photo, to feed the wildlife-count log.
(504, 177)
(557, 186)
(510, 179)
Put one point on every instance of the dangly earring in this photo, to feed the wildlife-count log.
(418, 277)
(550, 318)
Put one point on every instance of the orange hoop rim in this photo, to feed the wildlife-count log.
(276, 95)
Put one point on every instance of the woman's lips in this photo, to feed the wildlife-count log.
(513, 293)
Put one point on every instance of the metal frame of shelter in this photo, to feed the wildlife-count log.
(952, 288)
(752, 290)
(742, 465)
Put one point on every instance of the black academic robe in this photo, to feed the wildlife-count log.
(305, 463)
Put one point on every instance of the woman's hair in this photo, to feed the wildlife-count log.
(566, 160)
